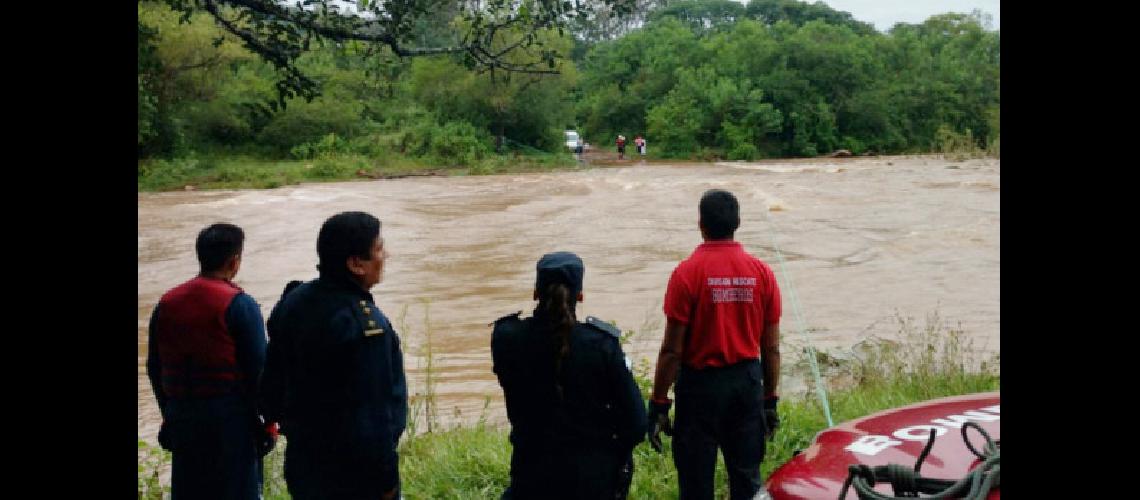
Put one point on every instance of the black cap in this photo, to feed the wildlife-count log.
(560, 267)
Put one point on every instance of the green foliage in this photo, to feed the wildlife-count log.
(216, 122)
(147, 114)
(332, 166)
(994, 148)
(181, 72)
(832, 82)
(799, 13)
(993, 142)
(957, 145)
(705, 108)
(469, 462)
(329, 145)
(230, 172)
(453, 143)
(152, 461)
(209, 172)
(308, 122)
(528, 109)
(702, 16)
(170, 173)
(920, 363)
(508, 37)
(623, 79)
(458, 143)
(148, 66)
(702, 79)
(743, 151)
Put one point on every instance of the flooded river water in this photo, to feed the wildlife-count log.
(862, 240)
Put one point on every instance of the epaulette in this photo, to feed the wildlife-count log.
(609, 328)
(365, 316)
(514, 316)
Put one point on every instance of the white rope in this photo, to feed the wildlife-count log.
(820, 390)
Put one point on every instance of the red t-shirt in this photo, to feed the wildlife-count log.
(726, 297)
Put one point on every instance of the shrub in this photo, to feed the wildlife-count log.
(958, 146)
(337, 167)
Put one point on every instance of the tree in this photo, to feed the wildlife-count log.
(703, 15)
(184, 68)
(149, 65)
(524, 108)
(707, 109)
(623, 78)
(604, 22)
(280, 32)
(800, 13)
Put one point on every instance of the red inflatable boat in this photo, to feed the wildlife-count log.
(897, 436)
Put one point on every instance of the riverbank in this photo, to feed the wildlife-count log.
(243, 172)
(473, 461)
(253, 173)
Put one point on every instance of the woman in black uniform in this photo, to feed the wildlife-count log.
(575, 411)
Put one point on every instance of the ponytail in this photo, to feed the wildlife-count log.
(557, 304)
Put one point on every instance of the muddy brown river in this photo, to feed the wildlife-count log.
(862, 240)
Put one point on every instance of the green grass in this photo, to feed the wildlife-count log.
(920, 363)
(242, 172)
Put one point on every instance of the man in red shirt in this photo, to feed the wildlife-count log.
(722, 308)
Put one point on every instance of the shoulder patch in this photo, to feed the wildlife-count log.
(604, 326)
(511, 317)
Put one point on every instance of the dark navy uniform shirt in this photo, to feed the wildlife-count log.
(334, 376)
(600, 403)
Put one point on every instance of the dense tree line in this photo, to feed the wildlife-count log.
(762, 80)
(698, 78)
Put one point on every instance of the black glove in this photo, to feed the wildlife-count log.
(267, 438)
(770, 416)
(658, 414)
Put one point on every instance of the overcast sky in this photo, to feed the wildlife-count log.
(885, 13)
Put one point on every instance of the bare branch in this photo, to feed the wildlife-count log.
(306, 21)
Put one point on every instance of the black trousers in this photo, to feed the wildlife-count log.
(579, 473)
(214, 459)
(314, 472)
(719, 408)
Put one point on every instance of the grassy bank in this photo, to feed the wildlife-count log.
(237, 171)
(920, 363)
(241, 172)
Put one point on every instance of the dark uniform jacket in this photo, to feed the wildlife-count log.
(334, 377)
(589, 432)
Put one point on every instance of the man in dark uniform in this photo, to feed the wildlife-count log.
(575, 411)
(206, 349)
(334, 377)
(722, 308)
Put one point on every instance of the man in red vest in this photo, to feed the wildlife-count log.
(722, 308)
(206, 350)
